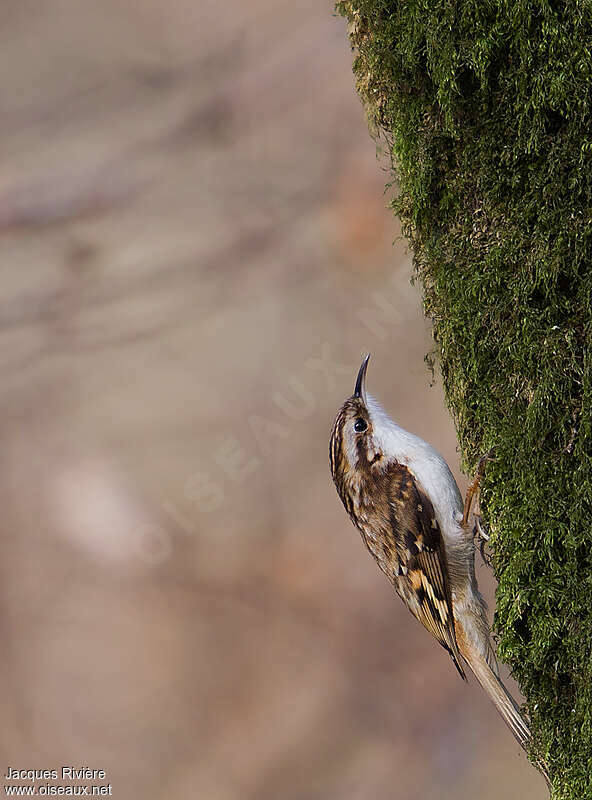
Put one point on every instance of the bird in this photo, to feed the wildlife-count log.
(402, 497)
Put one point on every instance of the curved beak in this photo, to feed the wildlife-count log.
(360, 390)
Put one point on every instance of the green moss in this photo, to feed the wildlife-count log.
(487, 110)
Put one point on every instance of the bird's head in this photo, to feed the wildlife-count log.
(355, 440)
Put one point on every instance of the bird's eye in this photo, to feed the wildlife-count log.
(360, 425)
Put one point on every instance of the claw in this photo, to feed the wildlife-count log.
(473, 488)
(479, 533)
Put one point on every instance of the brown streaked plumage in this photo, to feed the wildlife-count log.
(401, 496)
(399, 527)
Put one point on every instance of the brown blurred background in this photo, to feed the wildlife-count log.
(196, 252)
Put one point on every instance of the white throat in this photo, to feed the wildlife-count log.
(426, 463)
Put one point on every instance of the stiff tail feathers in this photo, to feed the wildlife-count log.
(504, 703)
(500, 697)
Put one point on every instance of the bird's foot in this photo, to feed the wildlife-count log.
(482, 537)
(473, 487)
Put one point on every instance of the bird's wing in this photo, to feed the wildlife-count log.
(423, 579)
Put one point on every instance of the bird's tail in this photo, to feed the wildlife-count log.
(503, 701)
(500, 697)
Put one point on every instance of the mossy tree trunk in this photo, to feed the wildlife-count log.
(487, 109)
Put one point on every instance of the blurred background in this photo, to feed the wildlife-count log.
(196, 252)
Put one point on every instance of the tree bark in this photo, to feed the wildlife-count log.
(486, 111)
